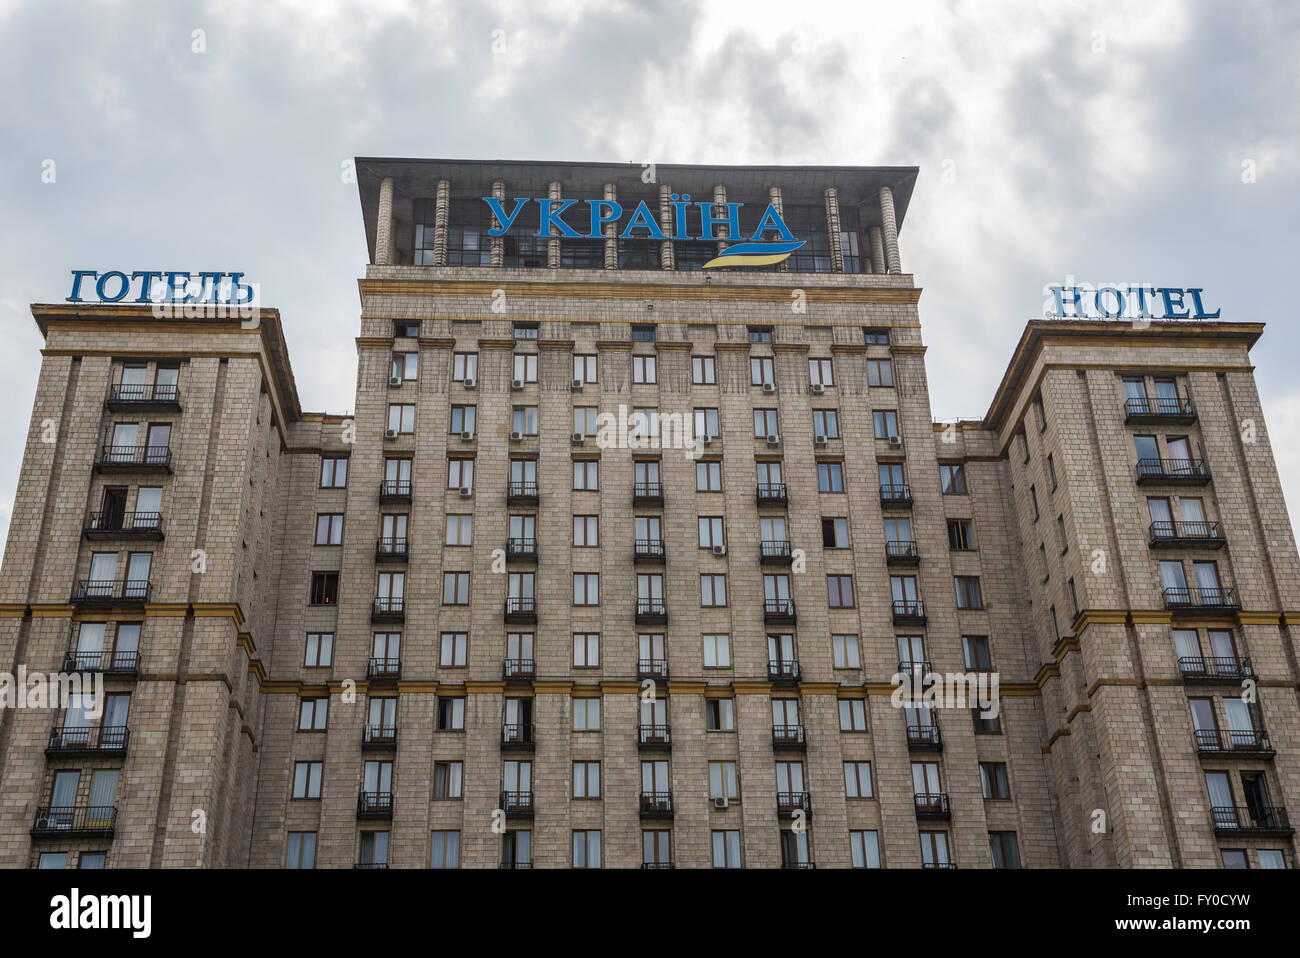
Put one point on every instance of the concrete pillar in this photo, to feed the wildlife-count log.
(667, 256)
(890, 229)
(441, 213)
(553, 244)
(719, 196)
(774, 198)
(877, 251)
(384, 225)
(611, 231)
(497, 256)
(833, 229)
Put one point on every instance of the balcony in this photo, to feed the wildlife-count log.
(656, 804)
(378, 736)
(519, 493)
(384, 671)
(656, 669)
(134, 459)
(388, 609)
(798, 864)
(649, 550)
(783, 670)
(75, 821)
(653, 736)
(651, 612)
(521, 610)
(1167, 410)
(648, 494)
(521, 550)
(901, 552)
(112, 524)
(897, 496)
(787, 803)
(517, 737)
(772, 494)
(515, 866)
(1172, 472)
(789, 736)
(390, 549)
(924, 738)
(123, 397)
(909, 612)
(519, 670)
(914, 670)
(517, 804)
(932, 805)
(371, 866)
(656, 866)
(944, 865)
(111, 591)
(1187, 535)
(1215, 669)
(375, 805)
(1215, 598)
(775, 552)
(95, 741)
(1250, 821)
(395, 490)
(1250, 743)
(779, 611)
(124, 662)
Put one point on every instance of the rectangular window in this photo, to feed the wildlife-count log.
(1006, 853)
(765, 423)
(405, 365)
(845, 651)
(853, 715)
(830, 477)
(312, 714)
(404, 330)
(524, 420)
(835, 533)
(717, 651)
(707, 423)
(975, 648)
(586, 779)
(961, 534)
(839, 591)
(586, 715)
(320, 650)
(448, 778)
(643, 370)
(462, 420)
(525, 368)
(460, 530)
(710, 528)
(885, 422)
(952, 479)
(586, 848)
(455, 588)
(1033, 499)
(761, 371)
(760, 334)
(993, 780)
(873, 336)
(726, 848)
(880, 372)
(721, 715)
(586, 531)
(334, 472)
(451, 715)
(306, 779)
(826, 422)
(460, 473)
(329, 529)
(454, 650)
(708, 476)
(643, 334)
(968, 592)
(585, 419)
(586, 588)
(584, 369)
(526, 330)
(324, 588)
(857, 780)
(864, 849)
(586, 473)
(722, 780)
(821, 372)
(702, 373)
(586, 650)
(401, 417)
(446, 850)
(1051, 471)
(713, 590)
(301, 850)
(464, 366)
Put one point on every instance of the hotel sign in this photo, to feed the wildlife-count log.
(1127, 302)
(161, 286)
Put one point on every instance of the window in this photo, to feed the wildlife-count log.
(839, 591)
(643, 369)
(584, 369)
(460, 530)
(585, 420)
(524, 420)
(586, 779)
(1039, 412)
(446, 850)
(934, 849)
(952, 479)
(320, 650)
(334, 472)
(306, 779)
(300, 852)
(986, 725)
(451, 715)
(454, 649)
(1060, 534)
(448, 778)
(1271, 858)
(760, 334)
(464, 366)
(835, 533)
(864, 847)
(722, 780)
(526, 330)
(1056, 629)
(721, 715)
(312, 714)
(710, 528)
(586, 588)
(586, 848)
(586, 650)
(1074, 598)
(405, 365)
(708, 476)
(820, 372)
(713, 590)
(1051, 471)
(1006, 853)
(886, 423)
(455, 588)
(765, 423)
(853, 715)
(586, 474)
(993, 780)
(1233, 858)
(726, 848)
(525, 368)
(830, 477)
(880, 372)
(585, 531)
(329, 529)
(706, 423)
(324, 588)
(462, 420)
(844, 649)
(1033, 499)
(460, 473)
(857, 780)
(968, 592)
(717, 651)
(401, 417)
(873, 336)
(643, 334)
(961, 534)
(975, 648)
(656, 848)
(586, 715)
(826, 422)
(761, 371)
(702, 372)
(402, 330)
(645, 422)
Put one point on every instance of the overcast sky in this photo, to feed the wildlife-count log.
(1106, 141)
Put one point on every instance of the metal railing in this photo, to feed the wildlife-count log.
(649, 548)
(652, 669)
(112, 455)
(788, 736)
(517, 733)
(653, 735)
(517, 803)
(97, 739)
(518, 605)
(378, 734)
(774, 549)
(144, 393)
(1184, 529)
(109, 590)
(783, 670)
(771, 492)
(909, 609)
(374, 804)
(519, 669)
(390, 605)
(932, 805)
(1229, 668)
(1172, 469)
(900, 549)
(71, 820)
(111, 520)
(647, 490)
(520, 489)
(779, 608)
(1219, 597)
(651, 608)
(378, 668)
(1264, 818)
(521, 548)
(1179, 407)
(120, 662)
(657, 803)
(391, 546)
(897, 492)
(395, 488)
(923, 736)
(1232, 740)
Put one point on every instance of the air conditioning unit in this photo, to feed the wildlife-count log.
(466, 491)
(390, 433)
(517, 384)
(516, 436)
(394, 380)
(817, 388)
(819, 440)
(578, 437)
(895, 440)
(576, 385)
(720, 803)
(774, 440)
(708, 440)
(719, 550)
(470, 384)
(769, 387)
(466, 436)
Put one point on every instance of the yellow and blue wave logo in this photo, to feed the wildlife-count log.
(754, 254)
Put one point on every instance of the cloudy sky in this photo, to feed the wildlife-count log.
(1107, 141)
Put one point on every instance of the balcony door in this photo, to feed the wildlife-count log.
(925, 778)
(374, 849)
(112, 508)
(394, 531)
(1162, 520)
(1135, 395)
(518, 777)
(126, 435)
(164, 382)
(780, 648)
(160, 438)
(378, 778)
(103, 796)
(789, 777)
(386, 646)
(392, 589)
(654, 777)
(650, 587)
(903, 588)
(383, 715)
(523, 471)
(656, 848)
(63, 798)
(126, 645)
(934, 848)
(1207, 580)
(397, 471)
(1187, 645)
(133, 382)
(1258, 805)
(1173, 578)
(772, 529)
(1221, 646)
(654, 711)
(523, 527)
(517, 849)
(519, 646)
(1193, 511)
(794, 847)
(776, 588)
(137, 575)
(1204, 724)
(519, 718)
(1241, 725)
(911, 651)
(90, 644)
(115, 708)
(520, 586)
(653, 648)
(785, 713)
(1220, 789)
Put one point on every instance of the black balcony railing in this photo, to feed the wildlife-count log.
(514, 866)
(75, 821)
(1141, 409)
(791, 864)
(1215, 668)
(521, 491)
(88, 740)
(1219, 597)
(112, 590)
(656, 804)
(375, 805)
(116, 662)
(517, 803)
(388, 607)
(371, 866)
(395, 490)
(651, 610)
(772, 494)
(520, 608)
(656, 866)
(652, 669)
(901, 552)
(132, 395)
(914, 668)
(135, 457)
(783, 670)
(1262, 820)
(1206, 535)
(520, 670)
(517, 735)
(1213, 741)
(654, 736)
(521, 548)
(938, 865)
(649, 550)
(788, 802)
(788, 736)
(909, 610)
(779, 610)
(932, 805)
(924, 737)
(896, 494)
(384, 669)
(378, 736)
(647, 494)
(1186, 471)
(113, 523)
(390, 547)
(775, 551)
